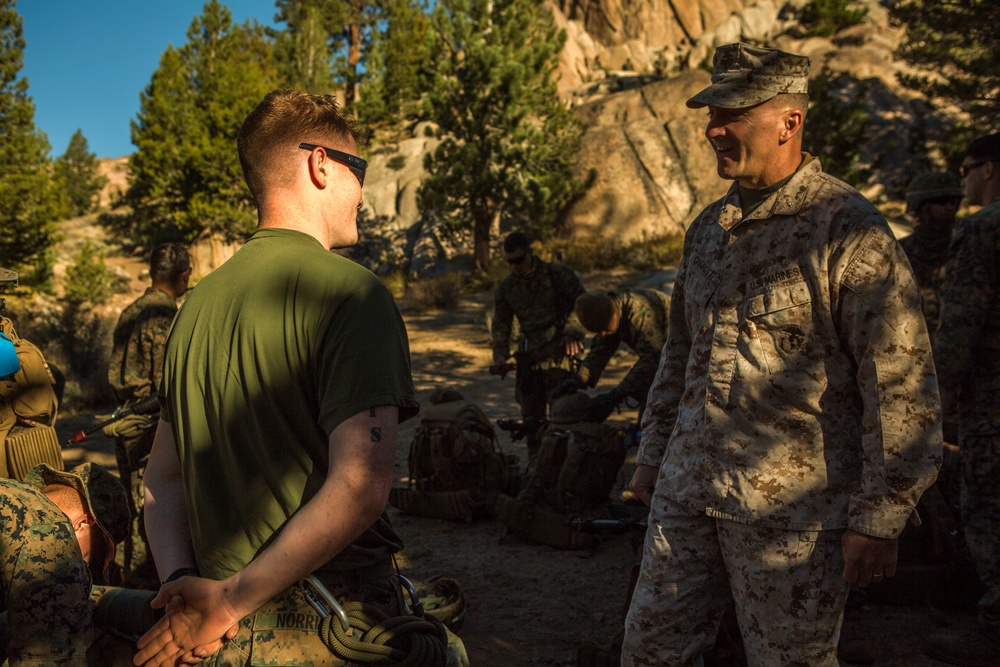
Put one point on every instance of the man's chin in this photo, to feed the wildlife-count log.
(726, 168)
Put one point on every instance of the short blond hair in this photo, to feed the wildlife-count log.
(283, 120)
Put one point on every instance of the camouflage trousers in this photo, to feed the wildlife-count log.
(980, 505)
(138, 568)
(532, 389)
(285, 631)
(787, 586)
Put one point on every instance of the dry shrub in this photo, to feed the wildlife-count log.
(588, 254)
(435, 293)
(395, 281)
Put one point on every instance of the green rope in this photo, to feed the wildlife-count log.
(398, 641)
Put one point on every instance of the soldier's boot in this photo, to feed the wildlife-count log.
(855, 646)
(979, 646)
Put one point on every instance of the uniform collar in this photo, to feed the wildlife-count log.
(788, 200)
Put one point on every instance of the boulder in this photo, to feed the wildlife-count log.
(654, 168)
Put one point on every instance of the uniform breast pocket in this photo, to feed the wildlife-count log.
(780, 326)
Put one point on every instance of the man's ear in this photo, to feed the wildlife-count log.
(791, 124)
(318, 168)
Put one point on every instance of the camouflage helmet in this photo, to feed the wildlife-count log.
(932, 185)
(744, 76)
(104, 498)
(570, 409)
(595, 310)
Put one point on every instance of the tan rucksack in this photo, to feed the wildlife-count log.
(572, 475)
(28, 410)
(455, 463)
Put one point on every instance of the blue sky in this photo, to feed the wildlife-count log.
(86, 61)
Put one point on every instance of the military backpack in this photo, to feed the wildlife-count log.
(455, 463)
(28, 409)
(571, 476)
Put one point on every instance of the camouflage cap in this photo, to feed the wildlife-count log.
(594, 310)
(104, 495)
(745, 75)
(932, 185)
(570, 409)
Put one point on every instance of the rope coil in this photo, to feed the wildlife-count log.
(398, 641)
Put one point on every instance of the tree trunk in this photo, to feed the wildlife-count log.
(481, 242)
(353, 58)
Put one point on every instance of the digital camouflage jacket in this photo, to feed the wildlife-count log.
(44, 583)
(967, 344)
(543, 303)
(796, 389)
(928, 257)
(139, 340)
(642, 327)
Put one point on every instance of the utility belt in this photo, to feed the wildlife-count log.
(384, 568)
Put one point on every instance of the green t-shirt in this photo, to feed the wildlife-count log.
(268, 354)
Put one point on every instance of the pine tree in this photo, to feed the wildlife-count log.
(79, 173)
(30, 201)
(959, 41)
(398, 64)
(345, 26)
(185, 175)
(508, 142)
(303, 50)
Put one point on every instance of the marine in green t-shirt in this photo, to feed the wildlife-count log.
(286, 375)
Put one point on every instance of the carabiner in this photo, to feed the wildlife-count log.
(324, 596)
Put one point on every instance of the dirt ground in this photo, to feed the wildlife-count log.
(530, 604)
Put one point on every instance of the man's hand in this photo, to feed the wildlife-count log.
(644, 482)
(198, 619)
(499, 369)
(570, 385)
(571, 345)
(868, 559)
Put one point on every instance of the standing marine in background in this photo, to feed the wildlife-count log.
(636, 318)
(134, 373)
(967, 354)
(541, 295)
(932, 200)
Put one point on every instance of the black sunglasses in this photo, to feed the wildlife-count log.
(966, 168)
(517, 260)
(948, 200)
(357, 166)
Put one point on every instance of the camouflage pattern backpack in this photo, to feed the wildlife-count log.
(28, 409)
(572, 475)
(456, 466)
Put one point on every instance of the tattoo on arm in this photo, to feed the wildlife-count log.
(371, 413)
(376, 434)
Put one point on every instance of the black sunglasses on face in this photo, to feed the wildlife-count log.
(513, 261)
(357, 166)
(966, 168)
(945, 201)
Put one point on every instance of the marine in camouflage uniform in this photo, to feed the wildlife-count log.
(932, 200)
(541, 296)
(967, 352)
(794, 419)
(135, 371)
(636, 318)
(44, 578)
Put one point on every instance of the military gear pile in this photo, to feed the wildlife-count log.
(28, 410)
(572, 475)
(456, 466)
